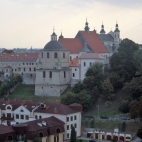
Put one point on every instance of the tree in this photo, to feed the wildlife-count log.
(73, 134)
(134, 88)
(124, 108)
(122, 62)
(115, 80)
(78, 87)
(133, 109)
(139, 133)
(138, 60)
(140, 108)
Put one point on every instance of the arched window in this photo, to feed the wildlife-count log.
(55, 55)
(44, 74)
(63, 55)
(40, 117)
(64, 74)
(47, 54)
(40, 134)
(35, 116)
(21, 110)
(50, 74)
(9, 138)
(57, 130)
(42, 55)
(8, 107)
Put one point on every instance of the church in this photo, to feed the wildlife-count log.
(62, 62)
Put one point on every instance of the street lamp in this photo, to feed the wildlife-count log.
(98, 111)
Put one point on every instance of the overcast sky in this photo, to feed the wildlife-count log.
(26, 23)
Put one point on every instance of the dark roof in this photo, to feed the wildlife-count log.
(116, 30)
(102, 31)
(85, 49)
(106, 37)
(60, 109)
(54, 46)
(53, 34)
(5, 129)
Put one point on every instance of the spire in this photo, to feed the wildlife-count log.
(116, 27)
(53, 36)
(86, 27)
(61, 36)
(102, 29)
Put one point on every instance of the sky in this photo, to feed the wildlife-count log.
(26, 23)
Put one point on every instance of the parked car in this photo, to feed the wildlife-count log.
(93, 140)
(125, 118)
(103, 117)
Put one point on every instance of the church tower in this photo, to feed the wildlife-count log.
(86, 27)
(116, 34)
(102, 29)
(53, 72)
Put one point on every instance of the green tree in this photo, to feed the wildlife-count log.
(139, 133)
(134, 88)
(140, 108)
(122, 62)
(138, 60)
(133, 109)
(78, 87)
(115, 80)
(73, 135)
(123, 126)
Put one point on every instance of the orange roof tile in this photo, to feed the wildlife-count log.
(72, 44)
(74, 62)
(94, 42)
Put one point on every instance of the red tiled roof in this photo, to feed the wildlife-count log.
(60, 108)
(72, 44)
(91, 56)
(5, 129)
(74, 62)
(94, 42)
(18, 57)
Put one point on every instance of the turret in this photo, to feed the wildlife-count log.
(86, 27)
(102, 29)
(53, 36)
(116, 34)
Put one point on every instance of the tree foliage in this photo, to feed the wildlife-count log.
(139, 133)
(134, 88)
(78, 87)
(73, 135)
(122, 62)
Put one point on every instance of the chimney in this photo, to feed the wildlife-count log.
(8, 102)
(22, 103)
(47, 107)
(55, 110)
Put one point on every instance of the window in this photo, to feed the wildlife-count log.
(90, 64)
(55, 55)
(47, 54)
(56, 139)
(68, 135)
(40, 117)
(84, 63)
(21, 110)
(73, 74)
(67, 127)
(75, 69)
(71, 118)
(35, 116)
(22, 116)
(29, 69)
(75, 117)
(27, 117)
(71, 125)
(70, 58)
(24, 69)
(8, 114)
(67, 119)
(41, 55)
(8, 107)
(57, 130)
(75, 125)
(76, 56)
(17, 116)
(63, 55)
(44, 75)
(34, 69)
(64, 74)
(50, 74)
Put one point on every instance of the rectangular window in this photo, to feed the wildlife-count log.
(68, 135)
(8, 114)
(75, 117)
(27, 117)
(75, 125)
(67, 119)
(22, 116)
(17, 116)
(34, 69)
(90, 64)
(84, 63)
(73, 74)
(70, 58)
(71, 118)
(29, 69)
(67, 127)
(24, 69)
(64, 74)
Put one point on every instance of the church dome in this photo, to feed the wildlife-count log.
(54, 45)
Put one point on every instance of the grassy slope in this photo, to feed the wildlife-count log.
(26, 92)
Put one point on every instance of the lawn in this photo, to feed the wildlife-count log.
(26, 92)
